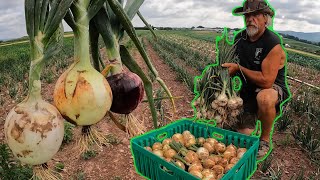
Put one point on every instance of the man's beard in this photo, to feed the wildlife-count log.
(252, 30)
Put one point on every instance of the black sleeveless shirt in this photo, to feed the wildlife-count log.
(252, 54)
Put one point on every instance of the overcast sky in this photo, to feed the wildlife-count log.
(294, 15)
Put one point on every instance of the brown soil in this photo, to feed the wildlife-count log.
(115, 162)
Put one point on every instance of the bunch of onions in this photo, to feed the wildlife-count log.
(82, 94)
(217, 97)
(34, 128)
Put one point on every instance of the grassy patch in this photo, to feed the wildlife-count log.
(10, 168)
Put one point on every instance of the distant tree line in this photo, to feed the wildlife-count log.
(298, 39)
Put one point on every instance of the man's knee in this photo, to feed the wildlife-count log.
(267, 98)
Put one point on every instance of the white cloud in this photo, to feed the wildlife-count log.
(294, 15)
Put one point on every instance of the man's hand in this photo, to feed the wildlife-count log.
(233, 67)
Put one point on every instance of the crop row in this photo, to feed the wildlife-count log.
(171, 59)
(191, 57)
(304, 60)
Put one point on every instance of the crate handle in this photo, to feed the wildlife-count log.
(162, 136)
(212, 123)
(217, 136)
(167, 171)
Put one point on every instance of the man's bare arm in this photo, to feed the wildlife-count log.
(269, 69)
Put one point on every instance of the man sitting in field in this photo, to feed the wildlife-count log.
(262, 62)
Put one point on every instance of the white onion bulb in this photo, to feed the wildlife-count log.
(34, 131)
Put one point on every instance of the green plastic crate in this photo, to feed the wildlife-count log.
(151, 166)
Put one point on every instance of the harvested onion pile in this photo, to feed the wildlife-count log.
(206, 159)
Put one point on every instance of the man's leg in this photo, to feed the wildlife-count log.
(267, 100)
(247, 119)
(247, 131)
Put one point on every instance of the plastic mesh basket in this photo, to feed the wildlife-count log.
(152, 167)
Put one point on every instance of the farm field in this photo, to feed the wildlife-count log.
(178, 56)
(297, 45)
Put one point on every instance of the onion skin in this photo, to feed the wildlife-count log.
(166, 147)
(228, 167)
(218, 169)
(190, 142)
(127, 90)
(157, 146)
(34, 131)
(178, 138)
(166, 141)
(234, 160)
(241, 152)
(215, 158)
(196, 173)
(195, 167)
(169, 153)
(180, 164)
(208, 173)
(229, 154)
(191, 157)
(203, 153)
(223, 162)
(220, 148)
(148, 148)
(200, 141)
(82, 95)
(220, 176)
(231, 147)
(209, 147)
(209, 163)
(212, 141)
(158, 153)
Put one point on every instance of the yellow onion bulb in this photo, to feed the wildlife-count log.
(180, 164)
(218, 169)
(34, 131)
(228, 167)
(157, 146)
(196, 173)
(166, 141)
(82, 95)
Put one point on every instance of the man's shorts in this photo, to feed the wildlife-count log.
(248, 118)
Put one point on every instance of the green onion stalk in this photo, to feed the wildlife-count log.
(82, 94)
(125, 19)
(34, 128)
(111, 21)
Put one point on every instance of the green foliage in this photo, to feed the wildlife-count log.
(79, 175)
(112, 139)
(286, 141)
(266, 164)
(284, 122)
(11, 168)
(191, 57)
(159, 106)
(59, 167)
(303, 60)
(304, 135)
(15, 61)
(68, 134)
(275, 174)
(88, 154)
